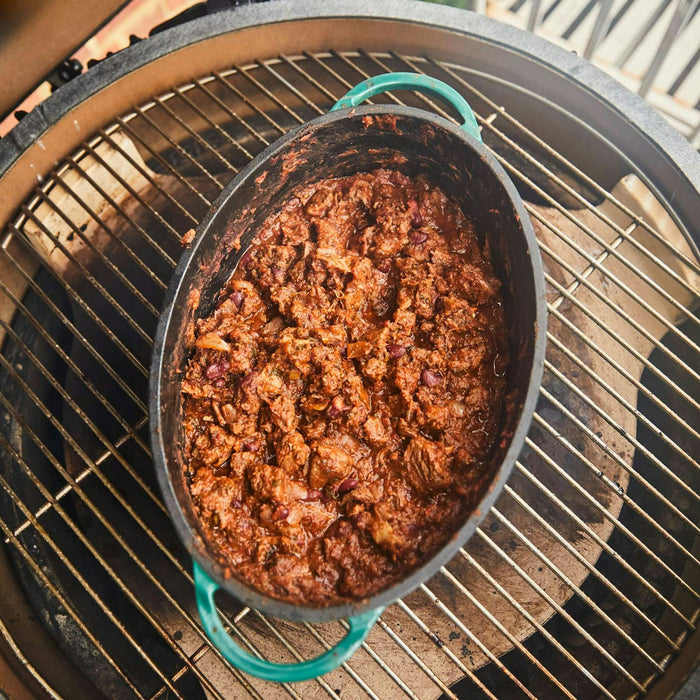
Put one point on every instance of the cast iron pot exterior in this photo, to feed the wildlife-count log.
(339, 144)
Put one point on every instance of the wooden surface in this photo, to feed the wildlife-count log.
(36, 36)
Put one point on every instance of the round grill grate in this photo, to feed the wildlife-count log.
(583, 580)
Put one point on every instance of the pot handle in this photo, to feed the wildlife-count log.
(411, 81)
(360, 625)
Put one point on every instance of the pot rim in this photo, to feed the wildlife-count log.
(193, 542)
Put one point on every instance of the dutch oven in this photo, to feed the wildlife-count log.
(348, 140)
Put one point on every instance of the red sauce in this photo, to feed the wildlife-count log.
(344, 396)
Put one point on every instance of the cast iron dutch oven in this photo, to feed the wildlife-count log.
(348, 140)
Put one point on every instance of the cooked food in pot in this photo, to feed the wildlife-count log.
(344, 396)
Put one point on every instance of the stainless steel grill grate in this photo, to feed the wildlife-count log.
(582, 582)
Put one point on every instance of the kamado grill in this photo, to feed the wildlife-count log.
(583, 581)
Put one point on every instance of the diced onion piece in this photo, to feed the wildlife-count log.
(359, 349)
(212, 342)
(332, 257)
(317, 403)
(458, 408)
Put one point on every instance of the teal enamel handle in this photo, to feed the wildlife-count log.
(411, 81)
(360, 625)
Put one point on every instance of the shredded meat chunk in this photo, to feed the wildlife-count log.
(344, 395)
(428, 465)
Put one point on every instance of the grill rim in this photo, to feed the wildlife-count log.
(669, 143)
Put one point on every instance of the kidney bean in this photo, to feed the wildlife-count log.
(245, 258)
(314, 495)
(416, 216)
(430, 378)
(417, 237)
(216, 369)
(280, 513)
(248, 379)
(396, 350)
(237, 298)
(348, 485)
